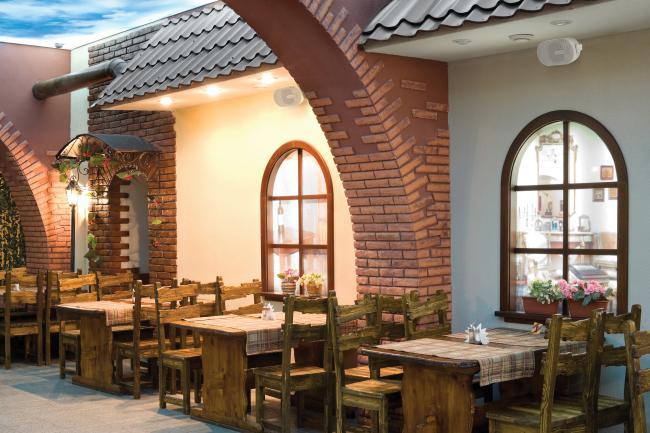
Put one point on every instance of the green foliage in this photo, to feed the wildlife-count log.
(12, 240)
(545, 291)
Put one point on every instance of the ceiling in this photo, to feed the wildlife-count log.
(212, 91)
(586, 21)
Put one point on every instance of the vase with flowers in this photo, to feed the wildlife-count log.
(288, 281)
(312, 284)
(544, 298)
(584, 296)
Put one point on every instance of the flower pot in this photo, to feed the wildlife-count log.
(288, 287)
(314, 290)
(579, 311)
(531, 306)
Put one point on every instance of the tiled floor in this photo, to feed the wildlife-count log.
(34, 400)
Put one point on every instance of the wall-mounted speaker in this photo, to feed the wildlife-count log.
(288, 96)
(559, 52)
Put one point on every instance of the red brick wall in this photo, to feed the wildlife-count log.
(158, 128)
(385, 118)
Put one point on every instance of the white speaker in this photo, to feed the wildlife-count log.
(559, 52)
(288, 96)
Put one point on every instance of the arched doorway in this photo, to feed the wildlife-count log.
(12, 240)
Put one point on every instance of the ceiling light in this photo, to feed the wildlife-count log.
(561, 23)
(521, 37)
(212, 90)
(266, 79)
(166, 101)
(462, 41)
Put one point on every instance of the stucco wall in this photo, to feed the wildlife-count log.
(492, 99)
(222, 150)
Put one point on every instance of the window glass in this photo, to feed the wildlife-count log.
(589, 158)
(594, 223)
(314, 218)
(541, 158)
(284, 221)
(285, 177)
(313, 180)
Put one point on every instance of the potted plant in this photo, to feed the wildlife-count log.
(313, 284)
(544, 298)
(584, 296)
(289, 278)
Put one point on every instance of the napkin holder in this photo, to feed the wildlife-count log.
(267, 312)
(476, 335)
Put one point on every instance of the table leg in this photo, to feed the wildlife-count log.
(96, 354)
(224, 382)
(436, 400)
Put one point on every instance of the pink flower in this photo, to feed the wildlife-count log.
(594, 287)
(567, 289)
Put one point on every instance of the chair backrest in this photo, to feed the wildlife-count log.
(182, 305)
(229, 293)
(617, 324)
(30, 292)
(208, 289)
(427, 318)
(344, 337)
(556, 363)
(391, 306)
(637, 345)
(67, 290)
(296, 334)
(117, 286)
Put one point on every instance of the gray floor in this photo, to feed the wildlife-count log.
(34, 400)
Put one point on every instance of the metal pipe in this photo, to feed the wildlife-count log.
(78, 80)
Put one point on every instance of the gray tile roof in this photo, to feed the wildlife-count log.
(203, 44)
(408, 17)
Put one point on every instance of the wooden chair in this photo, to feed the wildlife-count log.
(139, 348)
(28, 327)
(208, 295)
(388, 329)
(554, 415)
(51, 298)
(115, 287)
(614, 411)
(71, 290)
(296, 377)
(637, 345)
(417, 313)
(230, 293)
(185, 360)
(373, 394)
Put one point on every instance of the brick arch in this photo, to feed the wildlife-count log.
(31, 184)
(385, 118)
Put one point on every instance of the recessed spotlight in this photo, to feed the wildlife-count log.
(462, 41)
(561, 23)
(166, 101)
(521, 37)
(266, 79)
(212, 90)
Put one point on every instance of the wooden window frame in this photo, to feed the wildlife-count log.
(265, 198)
(508, 296)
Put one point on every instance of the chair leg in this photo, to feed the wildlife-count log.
(61, 358)
(300, 408)
(327, 408)
(77, 356)
(286, 409)
(383, 416)
(340, 414)
(8, 349)
(136, 377)
(259, 401)
(119, 368)
(197, 385)
(48, 340)
(162, 383)
(185, 387)
(39, 347)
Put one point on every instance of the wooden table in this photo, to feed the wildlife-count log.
(227, 361)
(437, 392)
(96, 344)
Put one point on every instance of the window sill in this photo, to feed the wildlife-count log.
(518, 317)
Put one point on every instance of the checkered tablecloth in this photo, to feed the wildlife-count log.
(117, 313)
(262, 336)
(514, 359)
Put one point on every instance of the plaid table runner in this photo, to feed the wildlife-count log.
(523, 338)
(262, 336)
(117, 313)
(497, 364)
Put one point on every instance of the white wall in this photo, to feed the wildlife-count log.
(491, 100)
(222, 151)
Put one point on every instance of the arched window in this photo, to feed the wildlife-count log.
(564, 209)
(297, 215)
